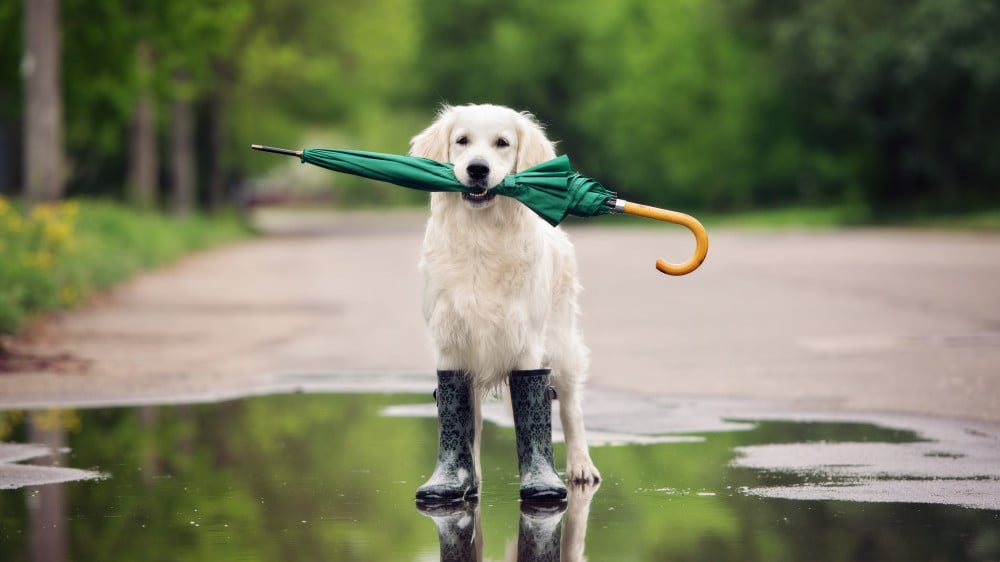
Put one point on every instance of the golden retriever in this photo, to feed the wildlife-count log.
(500, 284)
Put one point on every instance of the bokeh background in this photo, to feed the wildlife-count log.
(882, 107)
(125, 126)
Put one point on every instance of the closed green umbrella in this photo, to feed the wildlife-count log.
(551, 189)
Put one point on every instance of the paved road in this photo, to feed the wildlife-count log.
(857, 320)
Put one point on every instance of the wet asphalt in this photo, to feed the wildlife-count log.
(859, 320)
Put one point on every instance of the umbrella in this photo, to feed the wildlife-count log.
(551, 189)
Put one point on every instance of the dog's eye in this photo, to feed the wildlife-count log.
(502, 142)
(462, 140)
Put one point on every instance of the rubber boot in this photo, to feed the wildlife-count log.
(454, 477)
(459, 529)
(531, 399)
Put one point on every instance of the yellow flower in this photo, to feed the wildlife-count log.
(69, 294)
(42, 212)
(57, 232)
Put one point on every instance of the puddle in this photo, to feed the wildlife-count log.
(332, 476)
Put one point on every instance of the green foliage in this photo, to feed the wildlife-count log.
(718, 105)
(56, 255)
(908, 87)
(682, 106)
(697, 104)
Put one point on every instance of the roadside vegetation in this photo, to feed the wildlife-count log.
(848, 216)
(57, 254)
(822, 217)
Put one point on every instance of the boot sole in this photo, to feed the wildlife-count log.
(551, 495)
(431, 497)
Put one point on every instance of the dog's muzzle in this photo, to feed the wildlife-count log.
(478, 172)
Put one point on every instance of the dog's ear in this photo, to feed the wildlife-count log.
(533, 146)
(432, 142)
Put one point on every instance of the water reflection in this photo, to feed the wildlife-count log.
(326, 477)
(540, 536)
(47, 504)
(459, 529)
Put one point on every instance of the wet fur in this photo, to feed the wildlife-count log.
(500, 284)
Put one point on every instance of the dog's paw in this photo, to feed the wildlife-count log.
(582, 471)
(581, 493)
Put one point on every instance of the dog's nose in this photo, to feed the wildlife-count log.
(478, 169)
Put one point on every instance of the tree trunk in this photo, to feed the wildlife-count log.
(182, 150)
(143, 165)
(217, 145)
(44, 176)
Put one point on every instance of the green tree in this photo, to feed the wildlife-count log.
(909, 85)
(658, 100)
(678, 121)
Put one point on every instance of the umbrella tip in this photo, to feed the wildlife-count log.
(276, 150)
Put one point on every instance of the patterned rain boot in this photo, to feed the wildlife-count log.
(454, 478)
(531, 398)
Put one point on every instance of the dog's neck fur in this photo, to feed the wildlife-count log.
(505, 217)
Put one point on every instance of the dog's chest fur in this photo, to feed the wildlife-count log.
(488, 289)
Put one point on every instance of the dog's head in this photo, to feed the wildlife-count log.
(485, 143)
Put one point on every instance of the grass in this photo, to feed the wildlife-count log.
(988, 219)
(56, 255)
(822, 218)
(780, 218)
(791, 217)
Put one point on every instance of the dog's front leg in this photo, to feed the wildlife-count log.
(579, 468)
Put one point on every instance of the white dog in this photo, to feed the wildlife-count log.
(501, 284)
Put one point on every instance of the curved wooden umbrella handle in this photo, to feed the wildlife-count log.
(691, 223)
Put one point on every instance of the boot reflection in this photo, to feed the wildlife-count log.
(542, 524)
(459, 529)
(539, 531)
(543, 535)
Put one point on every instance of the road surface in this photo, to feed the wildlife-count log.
(872, 320)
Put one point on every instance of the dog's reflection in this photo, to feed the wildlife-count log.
(540, 536)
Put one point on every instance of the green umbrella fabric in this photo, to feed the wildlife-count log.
(406, 171)
(552, 189)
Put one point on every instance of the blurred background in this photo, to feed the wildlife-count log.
(876, 107)
(125, 126)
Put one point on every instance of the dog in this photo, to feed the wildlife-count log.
(500, 284)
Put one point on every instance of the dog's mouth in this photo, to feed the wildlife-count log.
(479, 197)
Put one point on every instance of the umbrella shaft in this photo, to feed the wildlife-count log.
(276, 150)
